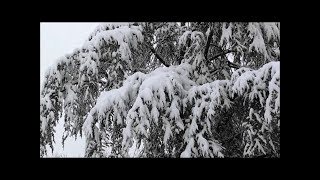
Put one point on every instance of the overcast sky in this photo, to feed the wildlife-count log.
(56, 40)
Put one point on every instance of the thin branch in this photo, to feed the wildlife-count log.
(220, 48)
(158, 56)
(213, 72)
(263, 156)
(230, 64)
(221, 54)
(234, 65)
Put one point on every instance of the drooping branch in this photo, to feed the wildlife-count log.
(158, 56)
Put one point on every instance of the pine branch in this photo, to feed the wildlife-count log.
(158, 56)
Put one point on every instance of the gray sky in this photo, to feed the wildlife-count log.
(56, 40)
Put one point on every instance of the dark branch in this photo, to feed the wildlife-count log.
(221, 54)
(220, 48)
(234, 65)
(213, 72)
(208, 44)
(158, 56)
(263, 156)
(230, 64)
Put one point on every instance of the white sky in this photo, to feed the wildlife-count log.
(56, 40)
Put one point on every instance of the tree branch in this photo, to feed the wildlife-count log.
(221, 54)
(230, 64)
(234, 65)
(208, 44)
(263, 156)
(211, 44)
(158, 56)
(213, 72)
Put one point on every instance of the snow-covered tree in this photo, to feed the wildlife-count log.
(169, 90)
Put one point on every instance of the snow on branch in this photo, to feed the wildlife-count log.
(163, 97)
(262, 89)
(74, 78)
(173, 111)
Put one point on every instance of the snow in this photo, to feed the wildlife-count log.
(260, 85)
(258, 145)
(126, 133)
(175, 112)
(226, 34)
(217, 148)
(197, 36)
(271, 30)
(258, 117)
(258, 42)
(147, 95)
(106, 26)
(187, 152)
(203, 144)
(272, 145)
(193, 126)
(70, 97)
(183, 38)
(250, 113)
(144, 90)
(180, 124)
(155, 114)
(168, 131)
(123, 36)
(44, 124)
(241, 85)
